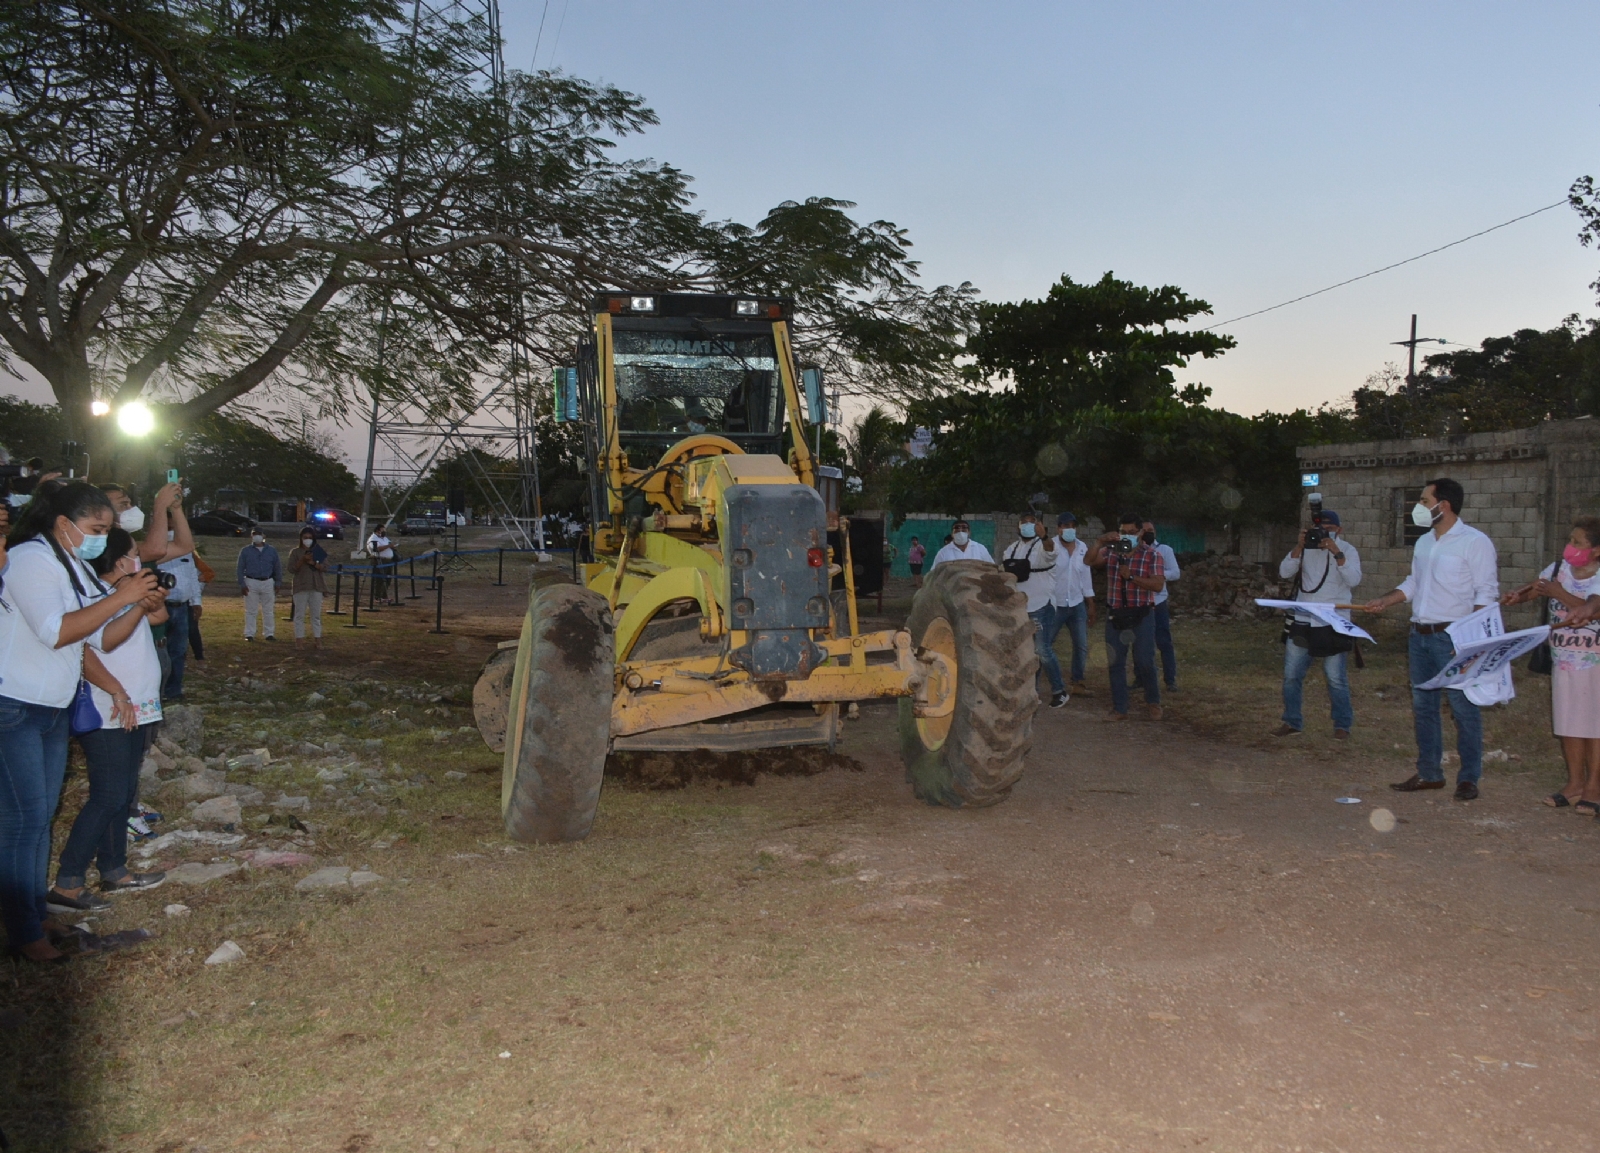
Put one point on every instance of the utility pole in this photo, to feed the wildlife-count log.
(1411, 348)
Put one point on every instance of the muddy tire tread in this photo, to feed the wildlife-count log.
(991, 732)
(552, 776)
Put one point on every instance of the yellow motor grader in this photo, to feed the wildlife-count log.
(715, 613)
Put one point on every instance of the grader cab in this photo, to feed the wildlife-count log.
(719, 609)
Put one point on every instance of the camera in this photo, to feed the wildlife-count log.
(1122, 546)
(165, 580)
(1316, 534)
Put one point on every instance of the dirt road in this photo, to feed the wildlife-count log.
(1157, 942)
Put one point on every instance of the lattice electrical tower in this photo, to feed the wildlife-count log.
(405, 439)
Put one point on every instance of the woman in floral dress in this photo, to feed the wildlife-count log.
(1575, 677)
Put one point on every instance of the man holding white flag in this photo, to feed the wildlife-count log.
(1454, 573)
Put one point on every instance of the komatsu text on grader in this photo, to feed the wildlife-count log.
(716, 614)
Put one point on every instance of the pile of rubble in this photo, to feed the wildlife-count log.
(228, 823)
(1226, 588)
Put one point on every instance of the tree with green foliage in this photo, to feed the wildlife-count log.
(199, 200)
(1507, 382)
(1075, 396)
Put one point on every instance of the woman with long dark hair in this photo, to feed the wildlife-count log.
(124, 672)
(50, 604)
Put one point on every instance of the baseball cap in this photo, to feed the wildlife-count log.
(1066, 518)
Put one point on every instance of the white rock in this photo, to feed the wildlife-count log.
(176, 910)
(363, 879)
(195, 873)
(329, 877)
(219, 811)
(331, 776)
(288, 804)
(226, 954)
(197, 786)
(315, 698)
(246, 794)
(455, 775)
(148, 769)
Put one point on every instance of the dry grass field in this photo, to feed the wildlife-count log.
(1170, 937)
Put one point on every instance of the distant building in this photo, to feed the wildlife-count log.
(1523, 489)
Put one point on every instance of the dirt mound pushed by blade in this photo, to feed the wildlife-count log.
(677, 770)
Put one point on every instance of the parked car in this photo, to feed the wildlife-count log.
(220, 522)
(414, 525)
(330, 523)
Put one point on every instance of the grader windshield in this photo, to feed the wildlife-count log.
(690, 378)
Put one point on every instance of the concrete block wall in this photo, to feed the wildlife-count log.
(1522, 488)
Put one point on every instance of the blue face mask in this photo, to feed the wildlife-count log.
(91, 547)
(1130, 538)
(1069, 535)
(1027, 530)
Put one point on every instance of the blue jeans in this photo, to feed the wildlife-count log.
(100, 831)
(1144, 662)
(1043, 633)
(177, 648)
(1169, 657)
(1429, 655)
(1296, 663)
(1075, 619)
(33, 761)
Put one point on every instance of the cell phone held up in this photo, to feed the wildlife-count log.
(172, 476)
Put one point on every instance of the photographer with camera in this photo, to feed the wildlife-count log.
(51, 603)
(1326, 570)
(1134, 575)
(1031, 559)
(181, 562)
(124, 672)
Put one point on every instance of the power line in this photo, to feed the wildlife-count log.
(1386, 267)
(538, 39)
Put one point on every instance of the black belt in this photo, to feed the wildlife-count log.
(1429, 630)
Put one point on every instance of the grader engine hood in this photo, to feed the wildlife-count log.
(774, 541)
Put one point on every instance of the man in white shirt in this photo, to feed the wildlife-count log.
(1163, 615)
(961, 547)
(1326, 573)
(1454, 573)
(1031, 559)
(1072, 598)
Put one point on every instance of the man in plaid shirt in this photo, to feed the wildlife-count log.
(1134, 575)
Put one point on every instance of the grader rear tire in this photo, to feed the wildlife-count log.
(491, 693)
(560, 721)
(974, 614)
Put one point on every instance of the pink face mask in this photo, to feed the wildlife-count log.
(137, 562)
(1577, 557)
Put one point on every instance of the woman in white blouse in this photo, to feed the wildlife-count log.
(121, 665)
(47, 612)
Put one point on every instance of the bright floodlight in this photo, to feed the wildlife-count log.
(136, 419)
(99, 407)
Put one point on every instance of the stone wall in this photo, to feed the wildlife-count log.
(1522, 488)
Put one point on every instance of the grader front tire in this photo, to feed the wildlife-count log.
(973, 615)
(560, 721)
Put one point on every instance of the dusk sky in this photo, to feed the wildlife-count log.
(1247, 152)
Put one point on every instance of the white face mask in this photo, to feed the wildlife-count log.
(960, 538)
(131, 519)
(1027, 529)
(1422, 516)
(258, 540)
(1069, 535)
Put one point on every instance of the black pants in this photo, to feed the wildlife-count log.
(100, 832)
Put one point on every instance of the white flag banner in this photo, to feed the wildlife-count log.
(1489, 687)
(1481, 662)
(1325, 613)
